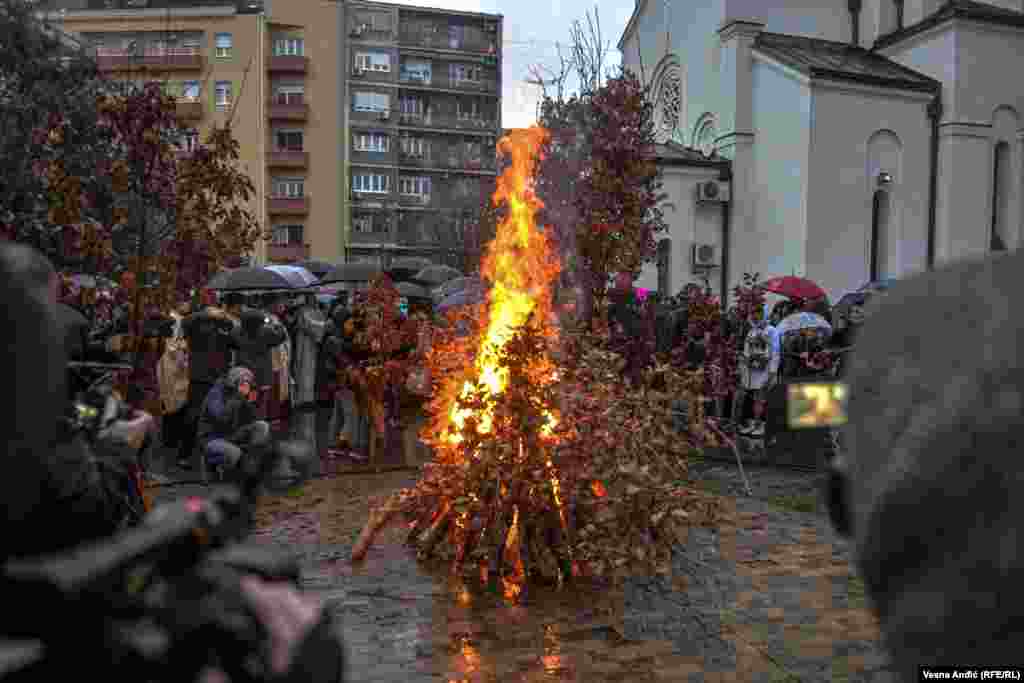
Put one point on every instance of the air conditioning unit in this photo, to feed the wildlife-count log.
(491, 28)
(712, 191)
(385, 115)
(705, 256)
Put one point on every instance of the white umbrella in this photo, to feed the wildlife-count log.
(802, 320)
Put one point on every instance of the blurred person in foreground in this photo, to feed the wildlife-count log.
(39, 517)
(928, 485)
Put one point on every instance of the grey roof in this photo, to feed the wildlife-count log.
(841, 61)
(954, 9)
(674, 154)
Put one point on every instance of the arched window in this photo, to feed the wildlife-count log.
(880, 212)
(1000, 196)
(898, 8)
(668, 104)
(705, 134)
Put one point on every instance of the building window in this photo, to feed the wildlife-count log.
(375, 183)
(373, 61)
(222, 43)
(454, 37)
(411, 105)
(416, 72)
(880, 217)
(189, 140)
(372, 142)
(289, 94)
(288, 47)
(362, 224)
(190, 91)
(289, 140)
(288, 235)
(668, 104)
(468, 110)
(371, 101)
(413, 147)
(414, 186)
(1000, 196)
(288, 188)
(460, 73)
(222, 95)
(898, 7)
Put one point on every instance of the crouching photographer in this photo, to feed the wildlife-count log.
(929, 484)
(178, 598)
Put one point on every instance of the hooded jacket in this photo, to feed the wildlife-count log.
(225, 411)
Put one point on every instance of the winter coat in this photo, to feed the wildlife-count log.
(310, 326)
(173, 372)
(255, 340)
(209, 341)
(224, 413)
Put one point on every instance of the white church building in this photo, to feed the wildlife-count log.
(842, 140)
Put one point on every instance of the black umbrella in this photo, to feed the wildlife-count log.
(406, 267)
(299, 277)
(436, 275)
(351, 272)
(318, 268)
(411, 291)
(457, 285)
(241, 279)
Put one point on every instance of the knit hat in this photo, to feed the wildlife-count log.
(239, 375)
(934, 469)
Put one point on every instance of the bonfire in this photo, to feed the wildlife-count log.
(546, 465)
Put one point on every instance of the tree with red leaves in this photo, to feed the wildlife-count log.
(599, 183)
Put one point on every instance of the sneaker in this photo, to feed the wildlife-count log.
(757, 431)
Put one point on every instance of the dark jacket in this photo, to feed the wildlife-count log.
(224, 413)
(210, 343)
(254, 341)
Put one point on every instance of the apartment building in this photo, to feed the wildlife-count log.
(423, 116)
(274, 74)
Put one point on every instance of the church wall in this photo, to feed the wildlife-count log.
(688, 223)
(989, 64)
(933, 54)
(825, 19)
(776, 243)
(857, 133)
(689, 31)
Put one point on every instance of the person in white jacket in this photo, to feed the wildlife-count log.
(759, 367)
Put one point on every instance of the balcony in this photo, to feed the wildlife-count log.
(371, 34)
(441, 41)
(413, 201)
(189, 110)
(287, 206)
(287, 253)
(458, 162)
(433, 120)
(378, 237)
(166, 59)
(295, 64)
(287, 110)
(486, 85)
(287, 158)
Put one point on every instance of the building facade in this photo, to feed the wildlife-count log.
(851, 142)
(423, 116)
(273, 72)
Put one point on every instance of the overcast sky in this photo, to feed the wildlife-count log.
(532, 30)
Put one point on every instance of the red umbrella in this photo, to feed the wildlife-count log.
(794, 287)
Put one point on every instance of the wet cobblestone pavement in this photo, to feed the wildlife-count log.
(767, 596)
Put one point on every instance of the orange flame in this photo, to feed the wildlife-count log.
(598, 489)
(520, 264)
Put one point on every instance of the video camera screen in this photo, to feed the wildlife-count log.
(816, 405)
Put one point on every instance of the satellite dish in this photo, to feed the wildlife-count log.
(711, 189)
